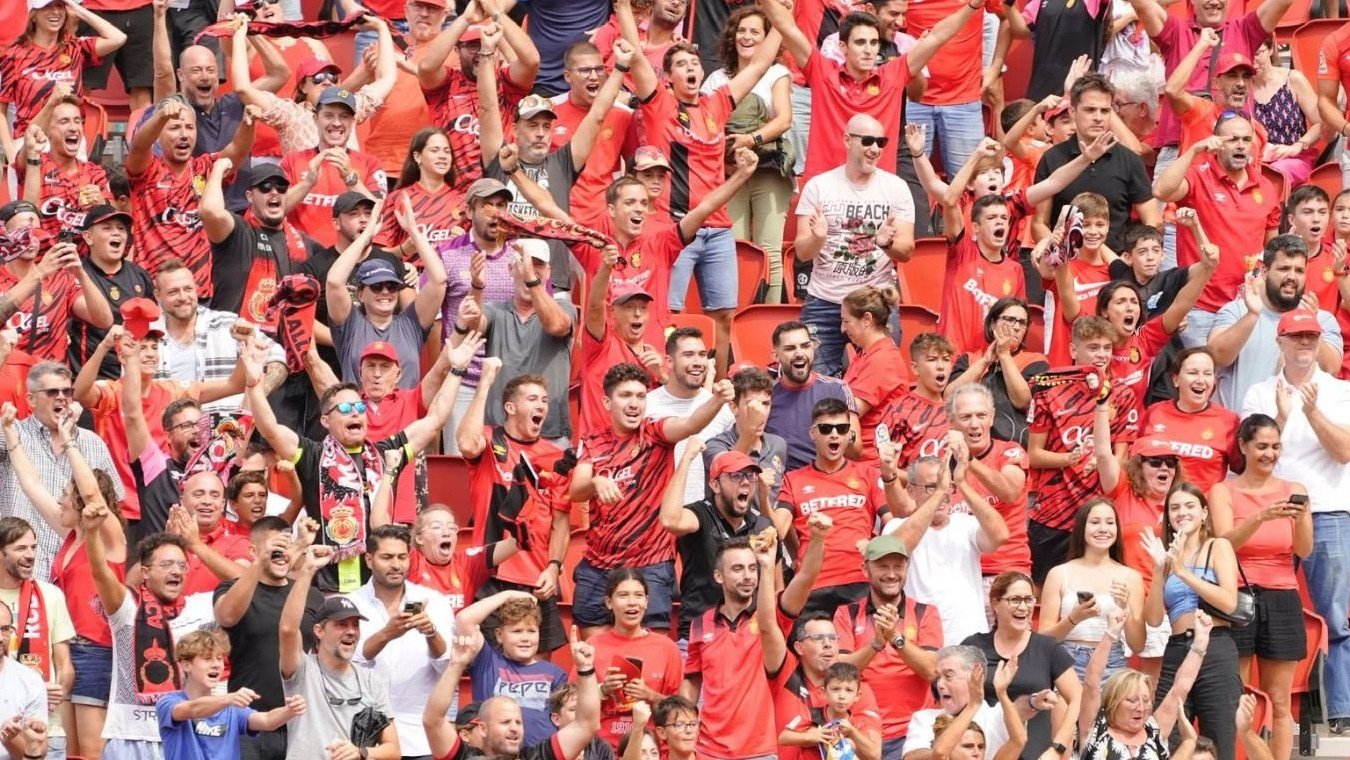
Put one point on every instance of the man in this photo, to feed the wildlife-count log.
(434, 561)
(43, 295)
(584, 72)
(518, 489)
(451, 90)
(405, 629)
(891, 636)
(855, 223)
(43, 642)
(249, 610)
(1238, 208)
(1243, 340)
(624, 468)
(686, 389)
(24, 703)
(855, 495)
(327, 676)
(55, 179)
(946, 547)
(1233, 74)
(750, 410)
(164, 197)
(798, 390)
(919, 419)
(1119, 175)
(50, 394)
(107, 235)
(958, 669)
(1311, 408)
(214, 553)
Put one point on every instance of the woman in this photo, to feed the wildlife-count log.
(1082, 593)
(1190, 567)
(47, 53)
(1139, 339)
(91, 650)
(1268, 522)
(877, 375)
(1060, 31)
(636, 663)
(1042, 664)
(1286, 105)
(247, 497)
(1004, 367)
(428, 180)
(1120, 720)
(759, 209)
(1201, 431)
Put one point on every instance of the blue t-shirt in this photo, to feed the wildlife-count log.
(495, 676)
(215, 737)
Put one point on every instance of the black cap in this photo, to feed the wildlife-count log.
(102, 213)
(338, 608)
(339, 95)
(14, 208)
(351, 200)
(263, 172)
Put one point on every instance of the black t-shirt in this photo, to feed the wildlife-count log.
(157, 495)
(317, 266)
(128, 282)
(548, 749)
(250, 252)
(1119, 176)
(1038, 666)
(255, 648)
(1159, 294)
(698, 592)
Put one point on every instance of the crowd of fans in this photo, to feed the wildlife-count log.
(232, 359)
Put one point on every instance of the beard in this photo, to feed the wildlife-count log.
(1279, 301)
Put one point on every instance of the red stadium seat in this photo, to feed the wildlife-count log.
(703, 322)
(913, 321)
(448, 483)
(752, 273)
(925, 273)
(575, 549)
(1017, 76)
(1035, 340)
(1306, 691)
(1328, 177)
(752, 331)
(1307, 40)
(1277, 179)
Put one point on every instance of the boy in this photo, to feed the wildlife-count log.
(918, 420)
(1308, 212)
(195, 723)
(1071, 289)
(847, 733)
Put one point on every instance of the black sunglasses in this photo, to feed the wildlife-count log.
(58, 392)
(1170, 462)
(825, 428)
(325, 77)
(869, 140)
(339, 701)
(272, 187)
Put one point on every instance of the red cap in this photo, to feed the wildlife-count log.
(1298, 321)
(1233, 60)
(627, 291)
(472, 34)
(437, 3)
(732, 461)
(1053, 113)
(1151, 447)
(380, 349)
(137, 314)
(315, 65)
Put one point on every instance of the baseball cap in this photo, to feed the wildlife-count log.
(627, 291)
(262, 172)
(535, 249)
(882, 546)
(350, 200)
(648, 157)
(1055, 112)
(36, 4)
(531, 106)
(380, 349)
(102, 213)
(314, 66)
(732, 461)
(1298, 321)
(338, 608)
(137, 314)
(375, 271)
(339, 96)
(14, 208)
(1151, 447)
(486, 188)
(472, 34)
(1233, 60)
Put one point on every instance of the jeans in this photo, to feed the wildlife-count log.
(891, 749)
(801, 125)
(1214, 697)
(1081, 653)
(825, 323)
(758, 212)
(1328, 573)
(1166, 156)
(959, 128)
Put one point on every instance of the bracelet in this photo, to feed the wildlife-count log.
(876, 648)
(536, 282)
(461, 330)
(622, 68)
(557, 562)
(34, 757)
(757, 138)
(476, 286)
(34, 161)
(1198, 650)
(584, 673)
(459, 371)
(889, 480)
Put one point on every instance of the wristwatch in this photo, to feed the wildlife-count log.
(365, 753)
(898, 641)
(351, 179)
(1059, 748)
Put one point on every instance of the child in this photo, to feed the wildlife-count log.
(848, 734)
(195, 723)
(510, 666)
(918, 420)
(1071, 289)
(1308, 213)
(562, 710)
(676, 720)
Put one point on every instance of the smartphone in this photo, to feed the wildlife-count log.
(1084, 596)
(1300, 499)
(67, 236)
(412, 608)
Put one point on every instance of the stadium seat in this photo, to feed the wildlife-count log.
(576, 548)
(913, 321)
(1306, 694)
(703, 322)
(925, 273)
(574, 409)
(1328, 177)
(1277, 179)
(1017, 75)
(448, 483)
(1035, 340)
(752, 273)
(752, 331)
(1307, 40)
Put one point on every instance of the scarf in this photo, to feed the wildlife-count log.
(15, 244)
(513, 226)
(344, 494)
(290, 317)
(295, 240)
(220, 446)
(35, 648)
(156, 673)
(1057, 256)
(313, 29)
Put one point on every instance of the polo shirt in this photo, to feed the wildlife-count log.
(1243, 34)
(899, 690)
(215, 131)
(1235, 219)
(1119, 176)
(1333, 59)
(799, 703)
(837, 97)
(728, 656)
(229, 545)
(698, 591)
(597, 356)
(128, 282)
(646, 261)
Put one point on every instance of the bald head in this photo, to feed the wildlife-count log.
(198, 76)
(864, 141)
(862, 124)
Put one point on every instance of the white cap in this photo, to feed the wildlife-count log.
(536, 249)
(38, 4)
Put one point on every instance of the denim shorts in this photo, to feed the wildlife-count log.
(93, 674)
(710, 259)
(1081, 653)
(588, 595)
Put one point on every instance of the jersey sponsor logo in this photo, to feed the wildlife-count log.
(843, 501)
(931, 447)
(1075, 436)
(465, 124)
(55, 206)
(319, 199)
(188, 220)
(58, 75)
(1196, 450)
(1323, 67)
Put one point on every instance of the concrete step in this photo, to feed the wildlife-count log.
(1329, 747)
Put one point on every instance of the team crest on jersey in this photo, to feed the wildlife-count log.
(198, 185)
(115, 293)
(1007, 287)
(1134, 355)
(636, 259)
(1207, 434)
(854, 483)
(1256, 195)
(1328, 275)
(65, 59)
(606, 132)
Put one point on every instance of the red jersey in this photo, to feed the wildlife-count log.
(618, 137)
(314, 215)
(43, 318)
(900, 691)
(513, 492)
(1333, 59)
(1088, 280)
(627, 534)
(1065, 415)
(952, 78)
(111, 427)
(853, 498)
(597, 357)
(28, 73)
(1015, 553)
(1130, 362)
(798, 704)
(838, 97)
(693, 137)
(1134, 515)
(657, 659)
(877, 376)
(458, 580)
(166, 221)
(1206, 441)
(400, 408)
(1236, 220)
(60, 207)
(727, 654)
(974, 283)
(454, 107)
(438, 215)
(231, 546)
(646, 262)
(918, 426)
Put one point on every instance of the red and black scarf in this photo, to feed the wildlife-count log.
(17, 243)
(312, 29)
(221, 445)
(156, 673)
(346, 487)
(290, 317)
(513, 226)
(295, 239)
(35, 646)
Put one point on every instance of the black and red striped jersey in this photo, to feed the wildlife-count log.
(60, 207)
(454, 108)
(437, 214)
(29, 72)
(167, 220)
(628, 534)
(917, 426)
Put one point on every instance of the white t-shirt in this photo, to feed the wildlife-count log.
(944, 571)
(988, 717)
(21, 693)
(60, 629)
(660, 404)
(127, 718)
(849, 259)
(763, 88)
(1302, 458)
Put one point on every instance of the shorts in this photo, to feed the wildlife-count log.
(267, 745)
(93, 674)
(551, 632)
(1049, 547)
(1277, 632)
(711, 259)
(830, 598)
(132, 60)
(1082, 653)
(588, 595)
(132, 749)
(1155, 640)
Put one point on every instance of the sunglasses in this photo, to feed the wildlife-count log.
(347, 407)
(838, 428)
(385, 287)
(339, 701)
(868, 141)
(325, 77)
(267, 188)
(55, 393)
(1169, 462)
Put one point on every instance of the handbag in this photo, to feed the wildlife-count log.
(367, 726)
(1245, 610)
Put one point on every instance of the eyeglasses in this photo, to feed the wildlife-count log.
(684, 725)
(1121, 105)
(839, 428)
(184, 425)
(267, 188)
(926, 488)
(1168, 462)
(172, 564)
(868, 141)
(385, 287)
(1017, 321)
(744, 476)
(54, 393)
(590, 71)
(347, 407)
(324, 77)
(821, 638)
(1020, 601)
(269, 2)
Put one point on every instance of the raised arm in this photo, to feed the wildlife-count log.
(216, 218)
(747, 162)
(110, 38)
(491, 130)
(339, 298)
(1066, 174)
(289, 639)
(431, 295)
(30, 482)
(248, 91)
(680, 428)
(111, 592)
(441, 734)
(1175, 89)
(283, 440)
(575, 736)
(165, 82)
(423, 432)
(583, 137)
(1170, 706)
(523, 69)
(597, 301)
(275, 71)
(1151, 14)
(749, 75)
(143, 139)
(796, 42)
(674, 518)
(242, 143)
(431, 71)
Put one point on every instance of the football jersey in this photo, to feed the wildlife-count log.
(438, 215)
(918, 426)
(511, 494)
(314, 214)
(454, 107)
(1205, 441)
(167, 222)
(29, 72)
(43, 318)
(852, 496)
(974, 283)
(628, 534)
(1015, 553)
(60, 207)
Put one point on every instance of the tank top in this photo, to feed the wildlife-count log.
(1092, 629)
(1181, 599)
(1268, 556)
(1282, 118)
(76, 581)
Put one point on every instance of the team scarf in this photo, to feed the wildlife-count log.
(34, 646)
(512, 226)
(312, 29)
(295, 239)
(156, 673)
(345, 487)
(290, 317)
(1090, 377)
(15, 244)
(220, 446)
